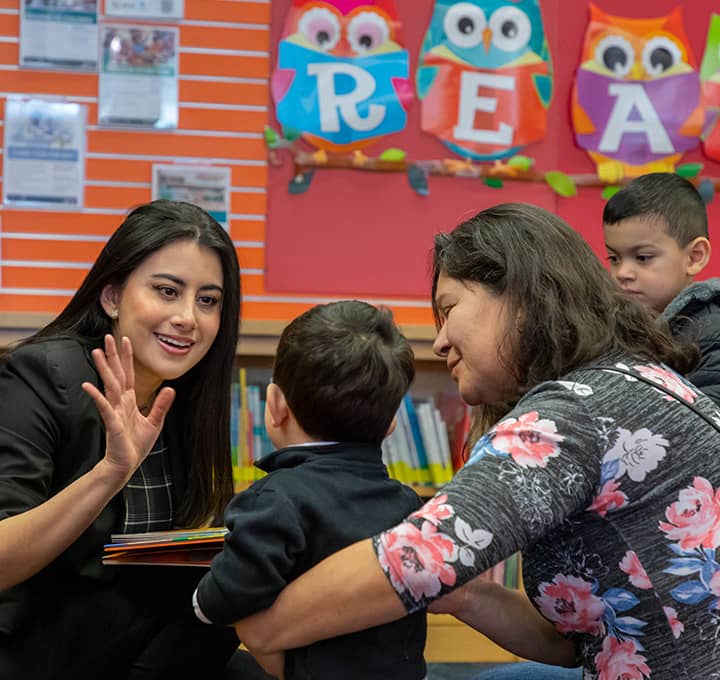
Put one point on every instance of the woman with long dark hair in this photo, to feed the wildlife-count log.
(150, 337)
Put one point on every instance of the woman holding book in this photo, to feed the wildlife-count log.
(597, 460)
(154, 327)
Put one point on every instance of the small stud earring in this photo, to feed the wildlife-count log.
(114, 314)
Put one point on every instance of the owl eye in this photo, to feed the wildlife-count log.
(660, 54)
(367, 31)
(511, 29)
(616, 54)
(464, 24)
(321, 27)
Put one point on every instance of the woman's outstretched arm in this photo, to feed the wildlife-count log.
(62, 518)
(344, 593)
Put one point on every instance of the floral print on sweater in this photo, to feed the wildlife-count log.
(611, 489)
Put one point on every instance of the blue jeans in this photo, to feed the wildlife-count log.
(529, 670)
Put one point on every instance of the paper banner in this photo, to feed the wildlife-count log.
(636, 104)
(342, 73)
(485, 79)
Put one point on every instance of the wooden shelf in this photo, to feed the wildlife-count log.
(451, 641)
(257, 338)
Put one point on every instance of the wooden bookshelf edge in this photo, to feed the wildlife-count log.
(258, 338)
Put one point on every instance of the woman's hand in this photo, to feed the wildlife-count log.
(130, 435)
(508, 618)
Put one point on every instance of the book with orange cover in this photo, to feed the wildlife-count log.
(180, 547)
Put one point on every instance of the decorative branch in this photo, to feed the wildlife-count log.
(515, 169)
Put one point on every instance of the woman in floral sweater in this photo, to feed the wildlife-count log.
(608, 484)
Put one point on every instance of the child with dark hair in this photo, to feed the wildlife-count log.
(340, 373)
(656, 234)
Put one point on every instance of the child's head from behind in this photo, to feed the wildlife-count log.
(343, 369)
(656, 235)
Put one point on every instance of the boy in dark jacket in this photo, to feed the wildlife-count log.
(339, 375)
(656, 235)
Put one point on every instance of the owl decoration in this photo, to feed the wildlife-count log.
(710, 82)
(342, 76)
(636, 104)
(484, 77)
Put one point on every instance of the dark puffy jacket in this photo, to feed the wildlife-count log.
(695, 314)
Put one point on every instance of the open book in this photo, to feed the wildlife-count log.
(181, 547)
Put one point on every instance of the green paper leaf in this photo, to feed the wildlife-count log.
(689, 170)
(393, 155)
(609, 191)
(291, 134)
(300, 183)
(521, 162)
(271, 137)
(493, 182)
(560, 183)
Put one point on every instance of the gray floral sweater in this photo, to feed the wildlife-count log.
(611, 489)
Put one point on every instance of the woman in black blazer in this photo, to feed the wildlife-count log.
(157, 316)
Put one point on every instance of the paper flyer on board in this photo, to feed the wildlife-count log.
(138, 76)
(205, 186)
(59, 35)
(44, 144)
(145, 9)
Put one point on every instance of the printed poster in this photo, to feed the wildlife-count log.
(139, 76)
(59, 34)
(145, 9)
(205, 186)
(44, 153)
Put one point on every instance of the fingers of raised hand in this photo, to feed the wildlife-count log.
(103, 405)
(126, 357)
(110, 369)
(161, 405)
(116, 364)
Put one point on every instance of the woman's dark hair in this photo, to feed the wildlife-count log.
(565, 309)
(344, 368)
(202, 402)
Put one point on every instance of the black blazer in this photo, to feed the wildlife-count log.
(50, 434)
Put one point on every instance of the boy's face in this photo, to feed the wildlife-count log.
(647, 262)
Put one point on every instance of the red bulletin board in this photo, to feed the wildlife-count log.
(358, 233)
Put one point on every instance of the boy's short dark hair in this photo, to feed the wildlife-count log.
(344, 368)
(665, 195)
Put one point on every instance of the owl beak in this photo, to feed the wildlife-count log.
(487, 39)
(636, 72)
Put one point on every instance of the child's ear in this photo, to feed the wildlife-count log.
(277, 405)
(698, 251)
(392, 427)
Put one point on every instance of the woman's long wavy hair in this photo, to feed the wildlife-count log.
(571, 310)
(202, 403)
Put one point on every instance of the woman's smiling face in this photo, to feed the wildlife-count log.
(169, 307)
(472, 337)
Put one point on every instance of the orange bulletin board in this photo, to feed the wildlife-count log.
(223, 99)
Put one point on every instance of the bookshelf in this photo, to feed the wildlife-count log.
(449, 640)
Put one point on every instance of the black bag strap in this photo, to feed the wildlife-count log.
(662, 388)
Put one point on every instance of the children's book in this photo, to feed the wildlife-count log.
(195, 547)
